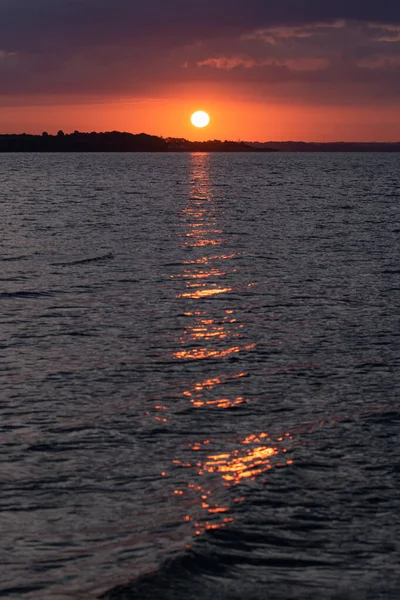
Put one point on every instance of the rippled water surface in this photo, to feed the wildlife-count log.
(199, 376)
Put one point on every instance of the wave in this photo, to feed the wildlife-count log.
(85, 261)
(192, 574)
(25, 294)
(14, 258)
(284, 543)
(229, 566)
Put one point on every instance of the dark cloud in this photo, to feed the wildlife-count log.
(38, 24)
(115, 46)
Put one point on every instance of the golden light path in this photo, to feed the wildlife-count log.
(200, 119)
(213, 332)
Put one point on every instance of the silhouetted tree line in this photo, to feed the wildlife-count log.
(114, 141)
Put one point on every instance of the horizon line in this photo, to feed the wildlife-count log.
(290, 141)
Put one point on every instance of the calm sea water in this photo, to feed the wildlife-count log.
(199, 376)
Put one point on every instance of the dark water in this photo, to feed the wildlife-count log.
(199, 376)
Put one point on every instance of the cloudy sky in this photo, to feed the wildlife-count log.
(288, 69)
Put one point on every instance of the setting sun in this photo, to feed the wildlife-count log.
(200, 119)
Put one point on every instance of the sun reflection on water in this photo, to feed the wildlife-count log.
(204, 293)
(254, 456)
(214, 333)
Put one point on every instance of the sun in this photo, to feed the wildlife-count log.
(200, 119)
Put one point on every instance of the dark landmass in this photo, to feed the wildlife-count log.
(182, 145)
(115, 141)
(329, 146)
(82, 142)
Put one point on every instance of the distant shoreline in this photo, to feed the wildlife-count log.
(116, 141)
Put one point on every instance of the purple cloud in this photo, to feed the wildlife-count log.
(326, 49)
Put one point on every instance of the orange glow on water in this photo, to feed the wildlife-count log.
(207, 259)
(204, 293)
(256, 439)
(202, 242)
(202, 333)
(212, 330)
(220, 403)
(236, 466)
(198, 400)
(202, 353)
(211, 383)
(200, 274)
(246, 462)
(206, 329)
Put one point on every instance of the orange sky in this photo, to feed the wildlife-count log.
(287, 70)
(236, 120)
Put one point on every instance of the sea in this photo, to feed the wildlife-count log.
(200, 375)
